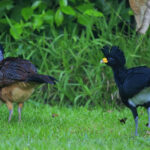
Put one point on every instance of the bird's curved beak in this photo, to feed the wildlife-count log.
(104, 60)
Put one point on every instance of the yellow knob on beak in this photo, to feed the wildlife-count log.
(104, 60)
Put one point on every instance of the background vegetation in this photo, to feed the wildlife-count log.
(63, 38)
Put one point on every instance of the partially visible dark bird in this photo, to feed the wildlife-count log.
(18, 79)
(133, 83)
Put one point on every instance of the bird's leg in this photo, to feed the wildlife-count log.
(148, 109)
(136, 126)
(135, 115)
(10, 108)
(20, 105)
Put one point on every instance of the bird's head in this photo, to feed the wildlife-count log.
(114, 57)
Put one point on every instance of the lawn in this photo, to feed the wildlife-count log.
(71, 53)
(72, 128)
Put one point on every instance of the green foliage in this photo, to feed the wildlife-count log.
(92, 12)
(36, 15)
(16, 30)
(59, 17)
(63, 3)
(27, 13)
(68, 10)
(47, 15)
(75, 62)
(63, 39)
(72, 128)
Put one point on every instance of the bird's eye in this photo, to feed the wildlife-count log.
(111, 59)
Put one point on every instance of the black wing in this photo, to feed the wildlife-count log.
(136, 80)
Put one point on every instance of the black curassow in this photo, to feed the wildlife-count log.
(133, 83)
(18, 79)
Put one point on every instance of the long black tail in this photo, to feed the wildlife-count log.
(39, 78)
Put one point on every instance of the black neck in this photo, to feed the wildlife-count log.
(119, 75)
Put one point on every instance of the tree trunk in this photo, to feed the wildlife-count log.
(141, 10)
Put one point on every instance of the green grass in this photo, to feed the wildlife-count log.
(74, 128)
(74, 60)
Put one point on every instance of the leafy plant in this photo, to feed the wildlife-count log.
(67, 46)
(37, 15)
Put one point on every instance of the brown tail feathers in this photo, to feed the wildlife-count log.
(39, 78)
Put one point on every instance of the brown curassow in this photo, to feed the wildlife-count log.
(18, 79)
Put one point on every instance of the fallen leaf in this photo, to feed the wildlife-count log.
(123, 120)
(110, 111)
(54, 115)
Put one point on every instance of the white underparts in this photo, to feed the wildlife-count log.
(140, 98)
